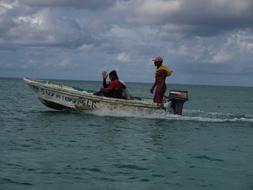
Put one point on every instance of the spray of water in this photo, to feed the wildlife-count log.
(188, 115)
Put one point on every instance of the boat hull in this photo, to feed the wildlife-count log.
(61, 97)
(54, 105)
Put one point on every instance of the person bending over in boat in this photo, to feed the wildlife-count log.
(115, 89)
(159, 86)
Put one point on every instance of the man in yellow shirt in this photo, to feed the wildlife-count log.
(159, 87)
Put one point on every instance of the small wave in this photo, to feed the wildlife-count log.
(11, 181)
(188, 115)
(130, 166)
(204, 157)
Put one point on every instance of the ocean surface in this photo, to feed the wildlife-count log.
(209, 147)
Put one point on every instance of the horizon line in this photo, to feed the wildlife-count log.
(60, 79)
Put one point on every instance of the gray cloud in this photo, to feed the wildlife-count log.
(200, 17)
(79, 4)
(24, 27)
(195, 37)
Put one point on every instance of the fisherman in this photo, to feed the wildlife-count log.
(115, 89)
(159, 85)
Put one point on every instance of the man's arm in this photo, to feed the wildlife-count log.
(153, 87)
(104, 76)
(105, 85)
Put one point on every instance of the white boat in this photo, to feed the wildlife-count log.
(62, 97)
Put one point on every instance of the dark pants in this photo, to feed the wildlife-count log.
(114, 94)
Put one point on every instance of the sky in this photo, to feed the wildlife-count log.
(202, 41)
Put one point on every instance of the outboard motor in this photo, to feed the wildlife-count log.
(177, 99)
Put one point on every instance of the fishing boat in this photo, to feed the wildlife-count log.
(61, 97)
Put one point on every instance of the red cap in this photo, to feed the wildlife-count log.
(158, 59)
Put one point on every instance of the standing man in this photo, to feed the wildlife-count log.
(160, 77)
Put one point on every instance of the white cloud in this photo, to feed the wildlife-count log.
(221, 57)
(43, 28)
(85, 47)
(157, 8)
(243, 39)
(123, 57)
(7, 4)
(30, 20)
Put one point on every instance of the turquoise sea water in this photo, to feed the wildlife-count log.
(209, 147)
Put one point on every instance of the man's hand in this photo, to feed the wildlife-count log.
(104, 75)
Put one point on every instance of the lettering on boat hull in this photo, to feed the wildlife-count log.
(60, 101)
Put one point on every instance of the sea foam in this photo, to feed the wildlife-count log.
(188, 115)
